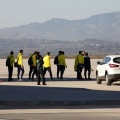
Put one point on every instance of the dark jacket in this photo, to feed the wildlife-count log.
(40, 63)
(87, 63)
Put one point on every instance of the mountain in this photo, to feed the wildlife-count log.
(103, 26)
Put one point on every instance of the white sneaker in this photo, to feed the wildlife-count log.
(20, 80)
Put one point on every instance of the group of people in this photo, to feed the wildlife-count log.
(82, 60)
(40, 65)
(19, 61)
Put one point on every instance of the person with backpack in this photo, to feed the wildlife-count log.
(20, 65)
(9, 63)
(61, 65)
(39, 66)
(32, 64)
(34, 59)
(79, 65)
(47, 65)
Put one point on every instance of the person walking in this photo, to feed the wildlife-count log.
(32, 65)
(39, 66)
(87, 66)
(56, 63)
(79, 64)
(10, 66)
(47, 65)
(61, 65)
(20, 65)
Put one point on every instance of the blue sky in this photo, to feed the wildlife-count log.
(19, 12)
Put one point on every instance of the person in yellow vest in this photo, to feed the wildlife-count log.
(33, 66)
(79, 64)
(10, 67)
(34, 58)
(47, 65)
(61, 65)
(20, 65)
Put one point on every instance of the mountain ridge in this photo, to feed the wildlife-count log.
(102, 26)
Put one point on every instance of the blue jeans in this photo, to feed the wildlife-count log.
(20, 70)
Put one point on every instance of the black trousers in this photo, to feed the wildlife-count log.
(34, 72)
(85, 72)
(40, 76)
(10, 72)
(31, 71)
(49, 70)
(20, 70)
(79, 72)
(60, 69)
